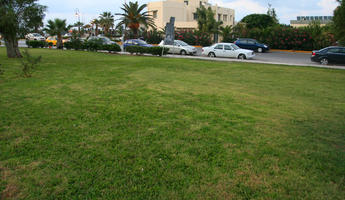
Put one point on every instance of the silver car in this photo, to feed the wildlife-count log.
(179, 47)
(104, 39)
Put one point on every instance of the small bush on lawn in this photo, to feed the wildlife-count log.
(36, 43)
(29, 63)
(111, 47)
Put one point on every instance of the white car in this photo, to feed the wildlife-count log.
(227, 50)
(35, 36)
(179, 47)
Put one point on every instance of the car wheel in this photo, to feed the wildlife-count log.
(241, 57)
(212, 55)
(183, 52)
(260, 50)
(324, 61)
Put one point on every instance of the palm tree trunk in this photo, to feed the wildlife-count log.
(59, 44)
(12, 47)
(96, 32)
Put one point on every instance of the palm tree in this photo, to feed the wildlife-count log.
(106, 20)
(79, 24)
(95, 22)
(134, 16)
(226, 33)
(57, 27)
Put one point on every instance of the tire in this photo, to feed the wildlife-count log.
(212, 55)
(241, 57)
(183, 52)
(260, 50)
(324, 61)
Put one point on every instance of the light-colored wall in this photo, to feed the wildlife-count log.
(184, 13)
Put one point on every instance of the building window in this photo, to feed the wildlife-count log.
(219, 17)
(200, 3)
(154, 15)
(195, 16)
(225, 18)
(186, 2)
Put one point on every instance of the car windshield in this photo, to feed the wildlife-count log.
(181, 43)
(141, 42)
(234, 46)
(36, 34)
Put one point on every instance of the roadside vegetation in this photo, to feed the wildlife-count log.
(88, 125)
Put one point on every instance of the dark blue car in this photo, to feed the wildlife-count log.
(135, 42)
(330, 54)
(252, 44)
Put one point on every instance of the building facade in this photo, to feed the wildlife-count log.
(184, 12)
(303, 21)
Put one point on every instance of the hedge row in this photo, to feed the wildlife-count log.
(37, 44)
(150, 50)
(91, 45)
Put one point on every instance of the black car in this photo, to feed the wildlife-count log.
(329, 55)
(252, 44)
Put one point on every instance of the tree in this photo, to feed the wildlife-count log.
(226, 33)
(107, 21)
(95, 22)
(57, 27)
(206, 21)
(133, 16)
(18, 17)
(339, 22)
(272, 12)
(258, 21)
(79, 25)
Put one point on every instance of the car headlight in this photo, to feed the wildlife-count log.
(265, 46)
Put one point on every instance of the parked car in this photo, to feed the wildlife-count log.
(252, 44)
(135, 42)
(104, 39)
(53, 39)
(327, 55)
(227, 50)
(34, 36)
(179, 47)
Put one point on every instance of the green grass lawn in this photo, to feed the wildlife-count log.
(100, 126)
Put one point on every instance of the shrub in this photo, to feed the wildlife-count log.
(75, 44)
(111, 47)
(93, 45)
(150, 50)
(158, 51)
(194, 38)
(136, 49)
(36, 43)
(29, 63)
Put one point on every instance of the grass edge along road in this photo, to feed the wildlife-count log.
(92, 125)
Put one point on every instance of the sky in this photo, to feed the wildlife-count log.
(286, 9)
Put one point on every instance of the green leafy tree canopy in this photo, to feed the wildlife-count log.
(17, 18)
(258, 21)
